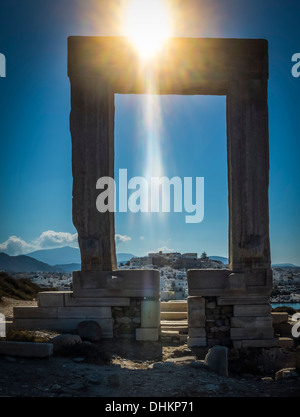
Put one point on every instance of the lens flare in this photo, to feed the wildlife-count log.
(147, 25)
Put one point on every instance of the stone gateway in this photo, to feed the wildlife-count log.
(228, 307)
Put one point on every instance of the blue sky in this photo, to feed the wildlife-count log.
(35, 157)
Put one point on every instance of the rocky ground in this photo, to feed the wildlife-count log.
(7, 305)
(132, 369)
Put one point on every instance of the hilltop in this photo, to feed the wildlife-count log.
(19, 289)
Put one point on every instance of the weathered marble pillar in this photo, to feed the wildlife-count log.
(248, 174)
(92, 131)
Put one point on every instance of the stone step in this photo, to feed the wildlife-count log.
(173, 315)
(180, 305)
(174, 322)
(172, 333)
(180, 326)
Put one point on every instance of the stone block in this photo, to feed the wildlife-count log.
(259, 278)
(65, 325)
(196, 311)
(247, 333)
(36, 312)
(236, 282)
(144, 334)
(26, 349)
(207, 282)
(196, 341)
(51, 298)
(150, 313)
(114, 282)
(243, 299)
(251, 321)
(89, 330)
(251, 310)
(71, 301)
(61, 312)
(63, 341)
(196, 332)
(84, 312)
(217, 360)
(129, 283)
(279, 317)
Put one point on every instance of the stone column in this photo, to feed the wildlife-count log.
(248, 174)
(92, 131)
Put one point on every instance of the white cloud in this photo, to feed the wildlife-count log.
(15, 246)
(121, 238)
(47, 240)
(51, 239)
(163, 249)
(142, 238)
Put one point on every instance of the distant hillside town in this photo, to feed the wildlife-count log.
(172, 267)
(175, 260)
(286, 285)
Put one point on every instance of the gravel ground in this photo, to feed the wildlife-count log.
(129, 369)
(175, 374)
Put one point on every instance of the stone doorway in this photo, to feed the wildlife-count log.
(99, 67)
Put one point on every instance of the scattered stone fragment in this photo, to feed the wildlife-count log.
(89, 330)
(267, 379)
(64, 340)
(217, 360)
(286, 373)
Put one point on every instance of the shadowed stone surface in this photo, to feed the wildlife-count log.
(217, 360)
(26, 349)
(65, 340)
(89, 330)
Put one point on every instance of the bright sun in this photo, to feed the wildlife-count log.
(147, 25)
